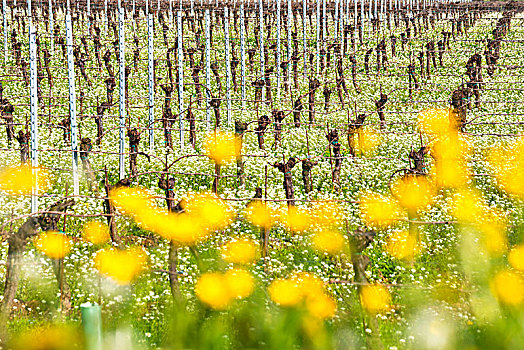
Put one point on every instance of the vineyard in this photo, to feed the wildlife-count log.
(262, 174)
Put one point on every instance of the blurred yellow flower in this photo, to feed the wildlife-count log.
(467, 205)
(516, 257)
(449, 152)
(508, 287)
(507, 164)
(413, 192)
(375, 298)
(379, 210)
(326, 213)
(309, 284)
(493, 228)
(122, 266)
(368, 139)
(211, 288)
(260, 214)
(222, 147)
(239, 282)
(96, 232)
(131, 201)
(22, 179)
(296, 219)
(55, 337)
(184, 228)
(285, 292)
(53, 244)
(321, 306)
(239, 252)
(436, 121)
(328, 241)
(210, 211)
(402, 245)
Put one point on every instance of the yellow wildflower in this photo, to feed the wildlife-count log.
(296, 219)
(56, 337)
(122, 266)
(436, 121)
(450, 167)
(309, 284)
(131, 201)
(508, 287)
(321, 306)
(96, 232)
(185, 229)
(413, 192)
(375, 298)
(285, 292)
(516, 257)
(222, 147)
(326, 213)
(493, 228)
(211, 288)
(260, 214)
(239, 252)
(23, 179)
(368, 139)
(402, 245)
(379, 210)
(53, 244)
(239, 282)
(507, 164)
(328, 241)
(468, 205)
(210, 211)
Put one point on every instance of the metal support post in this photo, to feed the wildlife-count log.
(122, 88)
(336, 20)
(150, 79)
(208, 74)
(318, 37)
(51, 26)
(243, 55)
(4, 18)
(228, 66)
(304, 43)
(34, 109)
(278, 50)
(72, 102)
(261, 38)
(180, 79)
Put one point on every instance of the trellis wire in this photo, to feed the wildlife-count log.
(72, 101)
